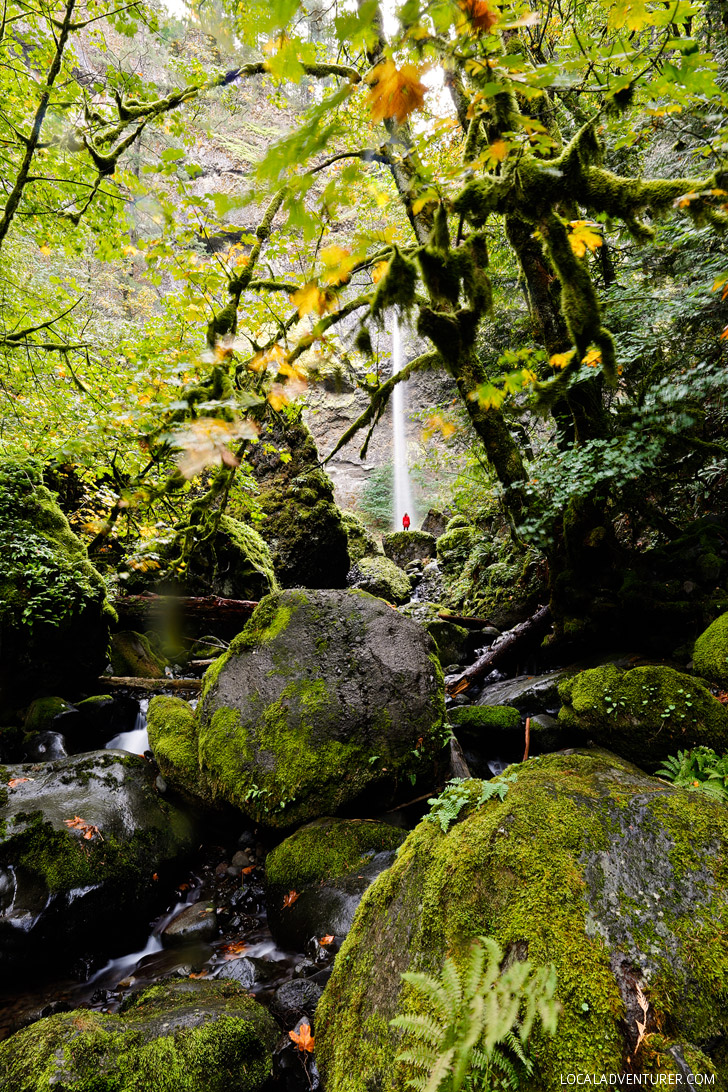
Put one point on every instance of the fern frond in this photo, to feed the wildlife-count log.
(432, 991)
(440, 1071)
(425, 1029)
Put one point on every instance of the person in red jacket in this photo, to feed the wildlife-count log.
(406, 522)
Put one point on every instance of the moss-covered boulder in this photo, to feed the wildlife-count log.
(329, 864)
(405, 546)
(452, 641)
(361, 542)
(172, 731)
(236, 564)
(43, 711)
(188, 1036)
(617, 878)
(480, 721)
(324, 696)
(54, 615)
(710, 655)
(453, 548)
(301, 523)
(644, 714)
(132, 655)
(381, 577)
(80, 842)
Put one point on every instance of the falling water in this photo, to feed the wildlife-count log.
(402, 490)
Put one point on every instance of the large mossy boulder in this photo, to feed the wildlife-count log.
(185, 1036)
(54, 615)
(361, 542)
(323, 697)
(710, 654)
(235, 564)
(329, 864)
(453, 641)
(618, 879)
(381, 577)
(80, 842)
(405, 546)
(301, 523)
(644, 714)
(132, 655)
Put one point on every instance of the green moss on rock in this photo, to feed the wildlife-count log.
(710, 655)
(644, 714)
(451, 640)
(381, 577)
(54, 615)
(361, 542)
(188, 1036)
(132, 655)
(478, 720)
(236, 563)
(43, 711)
(328, 849)
(173, 742)
(405, 546)
(615, 877)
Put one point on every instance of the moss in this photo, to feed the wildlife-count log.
(397, 287)
(328, 849)
(173, 741)
(404, 546)
(543, 872)
(170, 1039)
(478, 720)
(381, 577)
(133, 655)
(453, 549)
(710, 655)
(42, 713)
(451, 641)
(361, 542)
(644, 714)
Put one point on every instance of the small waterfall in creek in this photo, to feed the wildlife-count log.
(402, 489)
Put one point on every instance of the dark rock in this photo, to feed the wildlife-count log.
(381, 577)
(452, 641)
(236, 564)
(295, 1000)
(184, 1035)
(132, 655)
(530, 694)
(249, 971)
(45, 747)
(435, 522)
(361, 542)
(195, 922)
(73, 887)
(295, 1070)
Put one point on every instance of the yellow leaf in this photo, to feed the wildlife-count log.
(592, 358)
(45, 250)
(277, 397)
(395, 92)
(339, 264)
(560, 360)
(479, 14)
(498, 150)
(583, 237)
(310, 298)
(379, 270)
(632, 14)
(437, 423)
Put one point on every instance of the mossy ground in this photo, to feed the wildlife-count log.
(535, 873)
(710, 655)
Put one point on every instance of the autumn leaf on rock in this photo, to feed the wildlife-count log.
(289, 899)
(395, 92)
(480, 14)
(86, 830)
(198, 974)
(303, 1038)
(17, 781)
(248, 870)
(328, 939)
(583, 237)
(234, 949)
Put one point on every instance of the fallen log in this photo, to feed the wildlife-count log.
(123, 682)
(533, 628)
(467, 621)
(138, 608)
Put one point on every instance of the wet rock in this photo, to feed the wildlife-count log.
(295, 1001)
(188, 1035)
(132, 655)
(452, 641)
(195, 922)
(316, 877)
(252, 971)
(324, 696)
(406, 546)
(430, 587)
(295, 1070)
(42, 713)
(530, 694)
(45, 747)
(587, 863)
(435, 522)
(81, 840)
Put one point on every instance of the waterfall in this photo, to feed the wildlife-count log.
(402, 489)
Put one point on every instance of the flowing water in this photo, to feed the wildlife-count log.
(402, 487)
(136, 741)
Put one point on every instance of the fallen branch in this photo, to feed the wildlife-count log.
(528, 738)
(159, 686)
(138, 607)
(468, 621)
(531, 629)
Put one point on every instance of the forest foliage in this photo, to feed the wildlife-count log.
(540, 187)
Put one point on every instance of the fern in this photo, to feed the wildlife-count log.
(700, 769)
(446, 808)
(473, 1035)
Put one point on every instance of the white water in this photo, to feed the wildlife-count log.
(402, 488)
(136, 741)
